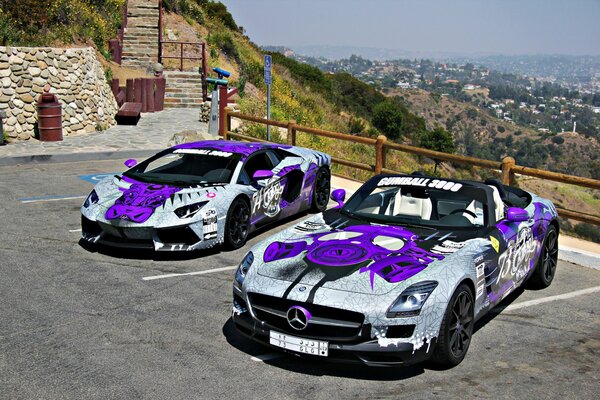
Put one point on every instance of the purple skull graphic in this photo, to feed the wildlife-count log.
(138, 203)
(388, 251)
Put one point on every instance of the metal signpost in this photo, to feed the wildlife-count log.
(268, 80)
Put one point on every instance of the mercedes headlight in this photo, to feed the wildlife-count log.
(242, 270)
(91, 199)
(410, 302)
(190, 210)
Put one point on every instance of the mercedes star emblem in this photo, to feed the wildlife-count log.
(298, 317)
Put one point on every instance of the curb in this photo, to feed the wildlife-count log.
(579, 257)
(71, 157)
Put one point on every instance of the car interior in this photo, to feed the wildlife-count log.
(266, 160)
(442, 206)
(206, 168)
(425, 205)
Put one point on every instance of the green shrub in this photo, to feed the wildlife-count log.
(588, 231)
(387, 117)
(43, 22)
(108, 74)
(219, 11)
(438, 140)
(224, 42)
(8, 34)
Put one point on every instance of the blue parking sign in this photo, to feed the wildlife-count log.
(268, 67)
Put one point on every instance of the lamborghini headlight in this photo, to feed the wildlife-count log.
(190, 210)
(91, 199)
(243, 268)
(410, 302)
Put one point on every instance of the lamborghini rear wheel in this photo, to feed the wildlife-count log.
(237, 225)
(322, 187)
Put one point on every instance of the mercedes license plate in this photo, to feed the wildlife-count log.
(300, 345)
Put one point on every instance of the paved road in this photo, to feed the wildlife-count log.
(77, 324)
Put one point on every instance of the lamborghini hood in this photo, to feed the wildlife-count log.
(124, 201)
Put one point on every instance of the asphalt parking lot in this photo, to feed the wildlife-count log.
(80, 324)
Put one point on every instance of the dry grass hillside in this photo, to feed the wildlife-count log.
(479, 134)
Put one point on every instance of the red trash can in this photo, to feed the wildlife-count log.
(49, 118)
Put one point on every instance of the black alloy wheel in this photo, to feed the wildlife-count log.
(238, 224)
(322, 188)
(461, 325)
(456, 330)
(546, 268)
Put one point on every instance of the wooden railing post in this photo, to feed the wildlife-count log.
(379, 154)
(291, 132)
(222, 107)
(227, 111)
(508, 177)
(181, 59)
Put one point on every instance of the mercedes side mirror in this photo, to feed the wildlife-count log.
(516, 214)
(338, 195)
(132, 162)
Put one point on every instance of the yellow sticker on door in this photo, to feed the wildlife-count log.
(495, 243)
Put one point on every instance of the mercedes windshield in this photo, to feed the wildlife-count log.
(419, 201)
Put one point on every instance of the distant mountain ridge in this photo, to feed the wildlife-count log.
(539, 65)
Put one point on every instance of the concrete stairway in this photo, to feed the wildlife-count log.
(183, 89)
(140, 41)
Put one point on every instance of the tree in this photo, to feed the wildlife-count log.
(387, 117)
(438, 139)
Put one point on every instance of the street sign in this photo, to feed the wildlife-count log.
(268, 67)
(268, 80)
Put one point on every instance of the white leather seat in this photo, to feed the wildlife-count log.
(498, 204)
(476, 208)
(406, 205)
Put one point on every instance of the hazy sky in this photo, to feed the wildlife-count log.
(465, 26)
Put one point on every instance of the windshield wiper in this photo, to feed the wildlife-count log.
(409, 225)
(353, 215)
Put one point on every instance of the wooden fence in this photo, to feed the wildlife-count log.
(507, 166)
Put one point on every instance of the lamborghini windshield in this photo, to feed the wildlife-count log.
(420, 201)
(186, 167)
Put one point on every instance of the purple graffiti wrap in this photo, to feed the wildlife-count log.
(288, 169)
(359, 247)
(138, 203)
(245, 149)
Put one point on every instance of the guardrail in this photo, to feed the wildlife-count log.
(182, 56)
(507, 166)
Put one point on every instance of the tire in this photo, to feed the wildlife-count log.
(456, 330)
(321, 190)
(546, 266)
(237, 224)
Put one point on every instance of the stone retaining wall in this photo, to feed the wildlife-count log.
(75, 75)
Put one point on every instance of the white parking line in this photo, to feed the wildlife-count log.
(75, 230)
(552, 298)
(51, 199)
(266, 357)
(207, 271)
